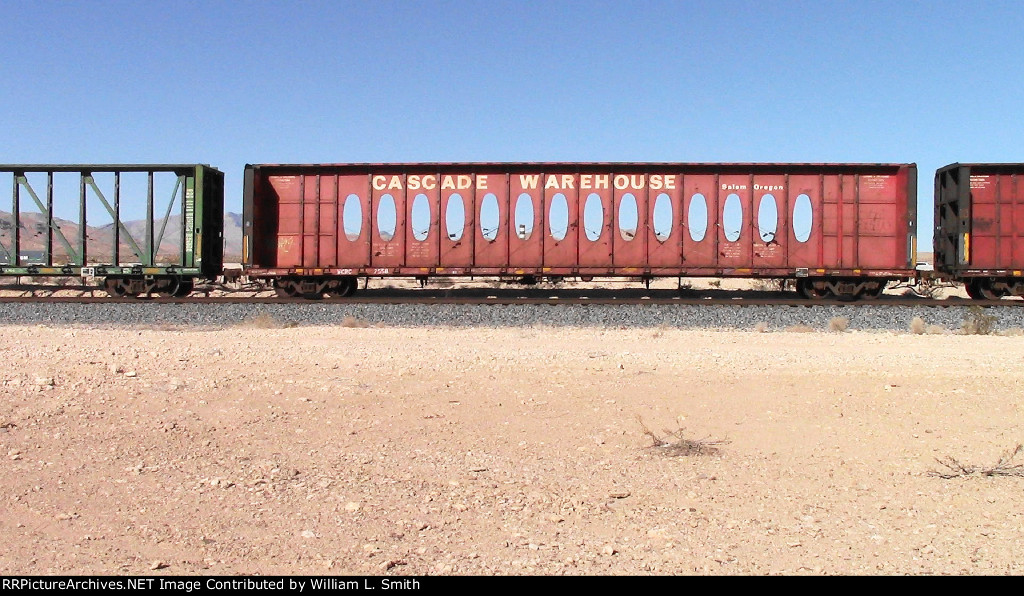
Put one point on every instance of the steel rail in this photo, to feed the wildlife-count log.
(498, 300)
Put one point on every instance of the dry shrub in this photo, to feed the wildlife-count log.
(265, 321)
(978, 322)
(935, 330)
(1016, 331)
(1003, 467)
(800, 328)
(761, 327)
(838, 324)
(918, 326)
(674, 444)
(351, 321)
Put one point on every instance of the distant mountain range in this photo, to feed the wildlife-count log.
(100, 240)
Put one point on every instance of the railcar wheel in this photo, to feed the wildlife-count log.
(873, 293)
(114, 287)
(971, 285)
(345, 288)
(185, 287)
(805, 287)
(176, 287)
(981, 289)
(285, 288)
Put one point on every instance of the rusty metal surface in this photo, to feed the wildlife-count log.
(862, 219)
(980, 219)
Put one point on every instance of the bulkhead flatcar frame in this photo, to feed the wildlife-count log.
(127, 265)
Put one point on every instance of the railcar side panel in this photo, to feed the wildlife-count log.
(806, 230)
(287, 236)
(421, 220)
(457, 222)
(879, 232)
(562, 230)
(627, 222)
(831, 246)
(1016, 219)
(387, 210)
(699, 223)
(526, 221)
(594, 211)
(665, 225)
(735, 242)
(767, 218)
(311, 209)
(850, 213)
(985, 231)
(492, 213)
(327, 220)
(353, 228)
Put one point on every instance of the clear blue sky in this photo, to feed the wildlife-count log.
(227, 83)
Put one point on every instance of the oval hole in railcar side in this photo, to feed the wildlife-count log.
(663, 217)
(386, 218)
(558, 219)
(490, 217)
(420, 217)
(593, 216)
(629, 216)
(455, 218)
(803, 217)
(697, 217)
(352, 217)
(732, 218)
(524, 216)
(768, 218)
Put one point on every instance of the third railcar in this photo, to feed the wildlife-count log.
(841, 230)
(979, 227)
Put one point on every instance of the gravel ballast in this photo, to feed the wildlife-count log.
(818, 317)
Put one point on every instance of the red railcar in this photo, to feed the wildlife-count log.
(979, 227)
(838, 229)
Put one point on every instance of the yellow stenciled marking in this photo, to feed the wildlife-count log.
(967, 247)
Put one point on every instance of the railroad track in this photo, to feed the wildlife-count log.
(574, 299)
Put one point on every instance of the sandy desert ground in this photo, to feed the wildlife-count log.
(257, 449)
